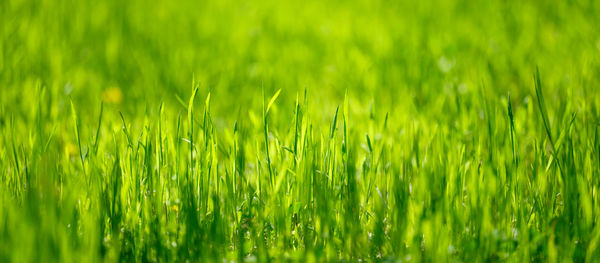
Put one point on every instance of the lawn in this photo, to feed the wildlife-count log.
(302, 131)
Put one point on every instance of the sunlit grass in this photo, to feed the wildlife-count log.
(445, 131)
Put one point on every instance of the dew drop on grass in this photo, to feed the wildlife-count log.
(445, 64)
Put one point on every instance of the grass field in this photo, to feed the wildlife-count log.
(270, 131)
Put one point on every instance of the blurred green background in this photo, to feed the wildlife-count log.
(400, 53)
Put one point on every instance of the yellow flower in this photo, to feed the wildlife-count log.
(112, 95)
(70, 149)
(175, 208)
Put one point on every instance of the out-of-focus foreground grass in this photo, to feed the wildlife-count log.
(311, 130)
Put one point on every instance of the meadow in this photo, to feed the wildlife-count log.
(306, 131)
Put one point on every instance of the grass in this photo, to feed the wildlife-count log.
(258, 131)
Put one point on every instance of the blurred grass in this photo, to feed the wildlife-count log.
(393, 137)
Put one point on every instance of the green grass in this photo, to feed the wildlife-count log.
(257, 131)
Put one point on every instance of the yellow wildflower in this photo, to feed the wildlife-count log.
(112, 95)
(71, 149)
